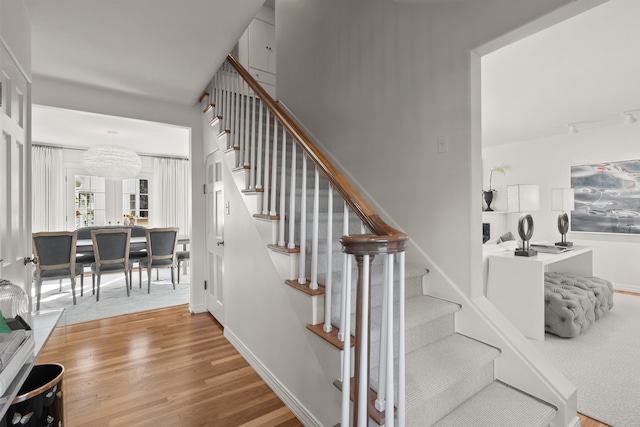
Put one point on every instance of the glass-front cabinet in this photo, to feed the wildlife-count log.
(97, 201)
(90, 200)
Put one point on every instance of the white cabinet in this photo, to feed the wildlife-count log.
(257, 49)
(262, 46)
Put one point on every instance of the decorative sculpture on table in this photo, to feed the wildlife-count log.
(563, 199)
(524, 198)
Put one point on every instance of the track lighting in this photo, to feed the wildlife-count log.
(629, 118)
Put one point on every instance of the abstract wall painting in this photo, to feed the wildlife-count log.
(607, 197)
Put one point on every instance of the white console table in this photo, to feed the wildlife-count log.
(515, 284)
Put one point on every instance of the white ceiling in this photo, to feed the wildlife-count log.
(585, 70)
(79, 129)
(161, 49)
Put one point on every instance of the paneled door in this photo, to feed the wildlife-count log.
(215, 211)
(15, 191)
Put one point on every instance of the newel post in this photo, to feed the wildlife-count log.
(365, 247)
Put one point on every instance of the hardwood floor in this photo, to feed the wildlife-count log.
(164, 367)
(589, 422)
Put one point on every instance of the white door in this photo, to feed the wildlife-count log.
(15, 190)
(215, 211)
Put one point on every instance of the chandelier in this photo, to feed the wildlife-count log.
(112, 162)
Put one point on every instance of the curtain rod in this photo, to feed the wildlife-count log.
(164, 156)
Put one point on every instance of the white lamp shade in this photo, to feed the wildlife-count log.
(562, 199)
(112, 162)
(523, 198)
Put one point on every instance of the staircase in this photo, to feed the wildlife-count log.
(329, 244)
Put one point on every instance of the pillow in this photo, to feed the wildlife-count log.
(510, 245)
(506, 237)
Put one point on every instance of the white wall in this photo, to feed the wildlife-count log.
(64, 94)
(547, 162)
(377, 83)
(15, 32)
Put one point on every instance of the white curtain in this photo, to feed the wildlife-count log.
(47, 189)
(171, 194)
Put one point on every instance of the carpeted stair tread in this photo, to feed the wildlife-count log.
(437, 366)
(500, 405)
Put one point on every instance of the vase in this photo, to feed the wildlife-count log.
(488, 198)
(13, 300)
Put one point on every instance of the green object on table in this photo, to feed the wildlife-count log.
(4, 328)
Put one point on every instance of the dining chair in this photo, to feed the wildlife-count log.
(182, 256)
(111, 250)
(56, 260)
(161, 252)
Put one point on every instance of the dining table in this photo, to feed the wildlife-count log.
(85, 246)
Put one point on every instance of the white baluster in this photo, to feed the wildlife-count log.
(247, 121)
(227, 108)
(328, 286)
(401, 344)
(283, 189)
(252, 162)
(346, 275)
(292, 198)
(235, 105)
(314, 230)
(274, 170)
(267, 140)
(260, 144)
(219, 103)
(241, 122)
(389, 406)
(302, 274)
(363, 387)
(346, 350)
(363, 229)
(384, 334)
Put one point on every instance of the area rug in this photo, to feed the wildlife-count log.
(604, 363)
(113, 296)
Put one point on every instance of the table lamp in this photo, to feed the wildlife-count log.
(562, 199)
(524, 198)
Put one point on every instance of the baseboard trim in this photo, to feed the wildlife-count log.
(197, 308)
(298, 409)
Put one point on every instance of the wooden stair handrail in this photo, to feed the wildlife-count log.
(348, 193)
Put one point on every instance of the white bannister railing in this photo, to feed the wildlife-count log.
(254, 121)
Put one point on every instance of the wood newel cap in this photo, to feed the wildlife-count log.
(371, 244)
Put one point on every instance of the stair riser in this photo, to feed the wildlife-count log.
(434, 409)
(414, 285)
(429, 333)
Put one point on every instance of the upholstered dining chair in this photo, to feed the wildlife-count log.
(161, 252)
(111, 250)
(182, 256)
(56, 260)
